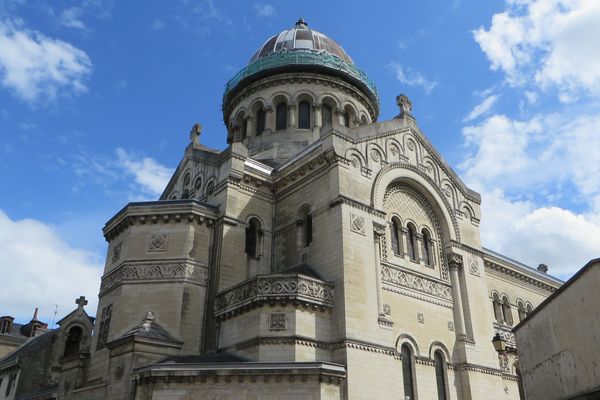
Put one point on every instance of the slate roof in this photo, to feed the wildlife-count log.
(223, 357)
(32, 345)
(152, 330)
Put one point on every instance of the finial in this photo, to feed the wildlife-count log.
(301, 23)
(195, 133)
(404, 103)
(81, 301)
(35, 314)
(543, 268)
(149, 317)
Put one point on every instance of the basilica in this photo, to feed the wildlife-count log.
(324, 254)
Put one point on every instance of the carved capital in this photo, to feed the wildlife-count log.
(455, 261)
(378, 229)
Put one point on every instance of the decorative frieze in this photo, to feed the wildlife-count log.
(135, 272)
(399, 277)
(293, 288)
(506, 334)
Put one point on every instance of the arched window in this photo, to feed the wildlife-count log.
(440, 374)
(529, 309)
(260, 122)
(506, 311)
(305, 227)
(186, 180)
(210, 188)
(185, 194)
(427, 247)
(346, 119)
(198, 184)
(497, 308)
(73, 340)
(327, 116)
(412, 242)
(281, 116)
(304, 115)
(253, 233)
(522, 311)
(407, 372)
(396, 236)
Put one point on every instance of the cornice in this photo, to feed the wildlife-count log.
(514, 274)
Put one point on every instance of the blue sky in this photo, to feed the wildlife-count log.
(97, 99)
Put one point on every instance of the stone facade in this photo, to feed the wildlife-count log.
(565, 364)
(322, 255)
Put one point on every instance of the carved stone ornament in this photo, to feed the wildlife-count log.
(134, 272)
(451, 326)
(454, 260)
(387, 310)
(378, 229)
(279, 287)
(158, 242)
(119, 371)
(398, 277)
(420, 318)
(116, 253)
(411, 145)
(277, 321)
(357, 224)
(474, 267)
(404, 103)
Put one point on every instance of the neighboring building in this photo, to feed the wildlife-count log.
(13, 334)
(559, 343)
(322, 255)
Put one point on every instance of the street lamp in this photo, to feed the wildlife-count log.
(499, 343)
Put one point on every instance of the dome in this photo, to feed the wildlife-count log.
(300, 37)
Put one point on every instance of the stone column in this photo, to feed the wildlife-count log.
(455, 262)
(404, 240)
(378, 232)
(419, 243)
(250, 128)
(339, 113)
(269, 121)
(317, 108)
(292, 115)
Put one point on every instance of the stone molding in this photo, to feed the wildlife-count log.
(286, 288)
(398, 276)
(158, 212)
(506, 333)
(517, 275)
(154, 272)
(341, 199)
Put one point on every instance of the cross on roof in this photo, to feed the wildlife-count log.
(81, 301)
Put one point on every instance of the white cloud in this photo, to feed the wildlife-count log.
(151, 176)
(35, 66)
(264, 10)
(409, 76)
(71, 18)
(157, 25)
(481, 108)
(523, 170)
(549, 43)
(560, 238)
(41, 270)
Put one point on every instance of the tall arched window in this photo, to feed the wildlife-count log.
(73, 340)
(497, 308)
(346, 119)
(506, 311)
(304, 227)
(304, 115)
(327, 116)
(529, 309)
(281, 116)
(260, 121)
(412, 242)
(440, 374)
(427, 247)
(210, 188)
(396, 235)
(407, 372)
(253, 238)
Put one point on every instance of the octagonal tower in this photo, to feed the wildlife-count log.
(299, 85)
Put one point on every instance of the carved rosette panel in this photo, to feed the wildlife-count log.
(130, 272)
(406, 279)
(157, 242)
(277, 321)
(357, 224)
(279, 287)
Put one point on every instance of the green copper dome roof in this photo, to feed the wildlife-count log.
(301, 49)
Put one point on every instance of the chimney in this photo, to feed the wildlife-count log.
(543, 268)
